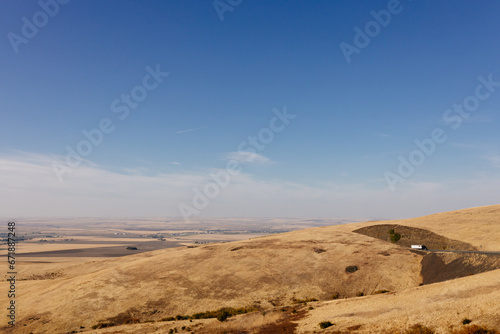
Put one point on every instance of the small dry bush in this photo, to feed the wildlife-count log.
(43, 276)
(325, 324)
(223, 313)
(304, 301)
(380, 291)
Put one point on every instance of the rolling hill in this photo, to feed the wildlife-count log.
(378, 286)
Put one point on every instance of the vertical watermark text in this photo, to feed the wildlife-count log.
(11, 273)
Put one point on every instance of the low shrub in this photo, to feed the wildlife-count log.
(227, 311)
(181, 317)
(380, 291)
(103, 325)
(222, 316)
(325, 324)
(351, 269)
(304, 301)
(466, 321)
(394, 236)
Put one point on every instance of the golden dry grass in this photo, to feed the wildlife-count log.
(270, 270)
(437, 306)
(250, 322)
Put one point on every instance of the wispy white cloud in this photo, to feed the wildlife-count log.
(175, 163)
(29, 188)
(384, 135)
(137, 170)
(248, 157)
(193, 129)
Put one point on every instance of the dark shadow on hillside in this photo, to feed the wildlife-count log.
(414, 236)
(436, 267)
(439, 267)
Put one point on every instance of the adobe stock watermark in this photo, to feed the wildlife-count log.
(372, 29)
(120, 106)
(248, 149)
(453, 117)
(30, 27)
(222, 6)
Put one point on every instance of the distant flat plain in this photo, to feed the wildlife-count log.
(61, 240)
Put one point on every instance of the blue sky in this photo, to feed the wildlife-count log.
(338, 157)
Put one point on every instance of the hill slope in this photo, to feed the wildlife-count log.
(264, 272)
(439, 306)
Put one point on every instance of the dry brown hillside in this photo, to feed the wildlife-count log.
(441, 307)
(266, 273)
(476, 226)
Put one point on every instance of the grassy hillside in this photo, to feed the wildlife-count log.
(441, 307)
(266, 273)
